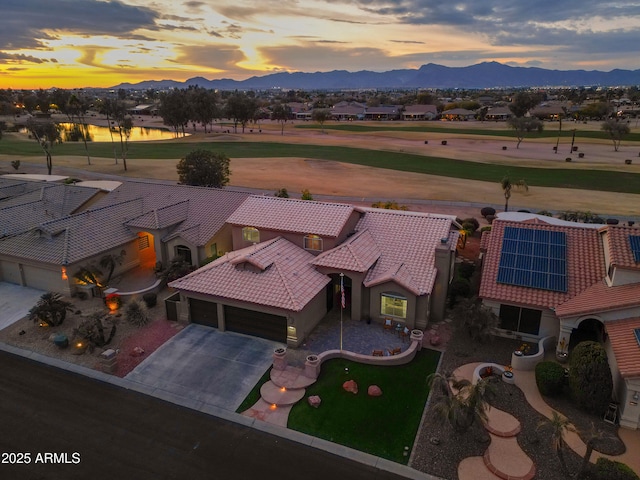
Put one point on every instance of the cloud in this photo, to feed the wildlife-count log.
(212, 57)
(21, 58)
(32, 23)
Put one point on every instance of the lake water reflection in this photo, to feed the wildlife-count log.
(102, 134)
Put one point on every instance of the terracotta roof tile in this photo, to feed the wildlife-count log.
(585, 265)
(400, 274)
(600, 297)
(625, 345)
(292, 215)
(356, 254)
(408, 239)
(284, 277)
(620, 248)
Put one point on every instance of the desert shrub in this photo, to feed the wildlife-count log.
(136, 313)
(549, 378)
(546, 213)
(487, 211)
(486, 228)
(460, 287)
(15, 164)
(465, 270)
(150, 299)
(606, 469)
(590, 377)
(92, 329)
(306, 194)
(472, 221)
(282, 193)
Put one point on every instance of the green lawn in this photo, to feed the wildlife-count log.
(610, 181)
(254, 394)
(381, 426)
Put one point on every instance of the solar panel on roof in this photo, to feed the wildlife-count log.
(534, 258)
(637, 332)
(634, 240)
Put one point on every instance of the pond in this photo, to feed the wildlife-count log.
(102, 134)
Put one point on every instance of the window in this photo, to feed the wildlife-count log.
(185, 253)
(522, 320)
(143, 242)
(312, 242)
(250, 234)
(214, 249)
(393, 305)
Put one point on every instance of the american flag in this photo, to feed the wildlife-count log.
(342, 299)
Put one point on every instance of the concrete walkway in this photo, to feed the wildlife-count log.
(505, 459)
(15, 302)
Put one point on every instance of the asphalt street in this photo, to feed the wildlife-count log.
(73, 427)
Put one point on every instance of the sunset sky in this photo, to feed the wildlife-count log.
(91, 43)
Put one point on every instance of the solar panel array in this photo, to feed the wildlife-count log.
(534, 258)
(637, 332)
(634, 240)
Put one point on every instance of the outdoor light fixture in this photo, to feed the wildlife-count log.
(283, 389)
(64, 273)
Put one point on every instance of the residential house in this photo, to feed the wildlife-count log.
(458, 114)
(419, 112)
(546, 277)
(149, 222)
(348, 111)
(294, 260)
(383, 112)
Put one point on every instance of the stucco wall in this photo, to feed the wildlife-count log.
(375, 293)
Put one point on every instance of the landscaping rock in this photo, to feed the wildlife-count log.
(434, 340)
(374, 391)
(314, 401)
(350, 386)
(137, 352)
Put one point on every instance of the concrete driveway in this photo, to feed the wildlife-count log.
(204, 364)
(15, 302)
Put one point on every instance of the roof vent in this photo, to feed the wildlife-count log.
(444, 240)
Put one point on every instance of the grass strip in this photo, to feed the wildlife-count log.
(599, 180)
(382, 426)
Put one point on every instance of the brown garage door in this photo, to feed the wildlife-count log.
(203, 312)
(258, 324)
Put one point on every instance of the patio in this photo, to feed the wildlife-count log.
(137, 280)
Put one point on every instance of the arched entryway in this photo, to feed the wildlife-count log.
(146, 250)
(589, 330)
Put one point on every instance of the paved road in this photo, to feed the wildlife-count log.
(123, 434)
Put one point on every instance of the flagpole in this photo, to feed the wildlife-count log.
(341, 305)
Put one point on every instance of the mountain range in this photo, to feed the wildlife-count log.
(482, 75)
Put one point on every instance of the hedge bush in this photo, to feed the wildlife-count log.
(606, 469)
(487, 211)
(549, 378)
(590, 377)
(472, 223)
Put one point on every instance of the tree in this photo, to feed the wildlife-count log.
(507, 185)
(47, 134)
(476, 318)
(459, 402)
(320, 115)
(204, 108)
(524, 125)
(560, 426)
(92, 329)
(281, 113)
(616, 130)
(204, 168)
(110, 261)
(590, 377)
(241, 109)
(522, 102)
(106, 107)
(50, 309)
(306, 195)
(282, 193)
(175, 110)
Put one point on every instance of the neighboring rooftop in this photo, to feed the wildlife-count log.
(625, 345)
(292, 215)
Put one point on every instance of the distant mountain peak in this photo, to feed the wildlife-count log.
(490, 74)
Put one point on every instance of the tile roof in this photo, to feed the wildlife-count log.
(620, 251)
(207, 209)
(50, 201)
(283, 278)
(292, 215)
(600, 297)
(75, 238)
(356, 254)
(407, 243)
(585, 265)
(625, 345)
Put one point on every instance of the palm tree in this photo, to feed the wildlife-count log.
(110, 261)
(507, 185)
(460, 402)
(560, 426)
(50, 309)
